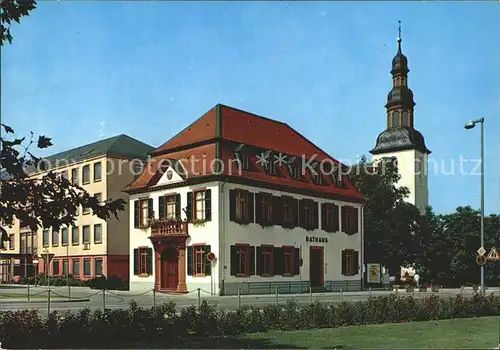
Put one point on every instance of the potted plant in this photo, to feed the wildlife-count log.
(434, 288)
(423, 288)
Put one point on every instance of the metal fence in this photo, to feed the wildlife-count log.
(48, 299)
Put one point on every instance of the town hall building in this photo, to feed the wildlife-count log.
(241, 203)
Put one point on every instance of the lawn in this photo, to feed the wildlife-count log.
(459, 333)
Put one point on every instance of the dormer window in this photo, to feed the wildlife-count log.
(241, 157)
(293, 168)
(395, 119)
(406, 119)
(338, 177)
(316, 175)
(268, 162)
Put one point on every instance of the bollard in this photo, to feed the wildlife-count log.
(48, 303)
(370, 291)
(310, 294)
(104, 300)
(277, 297)
(199, 297)
(154, 297)
(28, 291)
(239, 299)
(341, 294)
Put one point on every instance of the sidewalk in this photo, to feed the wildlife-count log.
(40, 301)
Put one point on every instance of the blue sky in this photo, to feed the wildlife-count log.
(82, 71)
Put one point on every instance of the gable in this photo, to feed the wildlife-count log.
(169, 176)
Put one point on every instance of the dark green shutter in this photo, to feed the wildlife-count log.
(316, 215)
(234, 261)
(343, 218)
(189, 207)
(149, 261)
(277, 205)
(356, 261)
(344, 265)
(178, 206)
(208, 264)
(260, 261)
(232, 205)
(150, 208)
(136, 262)
(295, 210)
(250, 203)
(208, 205)
(190, 260)
(258, 208)
(323, 218)
(296, 261)
(136, 213)
(161, 207)
(252, 260)
(278, 260)
(356, 220)
(302, 217)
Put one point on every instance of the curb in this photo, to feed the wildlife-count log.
(40, 301)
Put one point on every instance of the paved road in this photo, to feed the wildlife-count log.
(121, 299)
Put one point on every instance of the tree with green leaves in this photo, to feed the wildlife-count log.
(29, 191)
(12, 11)
(391, 225)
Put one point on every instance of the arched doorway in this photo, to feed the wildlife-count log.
(169, 269)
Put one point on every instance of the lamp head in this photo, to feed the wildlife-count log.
(470, 125)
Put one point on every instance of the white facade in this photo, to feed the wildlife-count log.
(221, 233)
(413, 168)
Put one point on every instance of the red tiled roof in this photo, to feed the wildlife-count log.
(246, 128)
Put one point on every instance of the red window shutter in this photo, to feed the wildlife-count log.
(344, 219)
(356, 220)
(335, 227)
(258, 208)
(323, 217)
(232, 205)
(344, 262)
(250, 204)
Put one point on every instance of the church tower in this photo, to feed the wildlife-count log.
(401, 140)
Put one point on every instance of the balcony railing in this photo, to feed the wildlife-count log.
(169, 228)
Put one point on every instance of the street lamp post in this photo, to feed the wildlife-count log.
(470, 125)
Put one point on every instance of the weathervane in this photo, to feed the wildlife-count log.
(399, 31)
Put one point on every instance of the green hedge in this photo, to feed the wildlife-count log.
(111, 283)
(166, 328)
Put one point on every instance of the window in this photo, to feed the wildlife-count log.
(97, 171)
(395, 119)
(144, 215)
(86, 174)
(97, 233)
(143, 261)
(45, 238)
(264, 213)
(75, 235)
(269, 162)
(85, 211)
(350, 262)
(406, 120)
(242, 158)
(55, 267)
(137, 169)
(199, 205)
(99, 197)
(316, 175)
(55, 238)
(350, 220)
(198, 264)
(34, 237)
(64, 236)
(289, 212)
(64, 174)
(74, 176)
(329, 217)
(143, 210)
(265, 261)
(86, 234)
(168, 207)
(242, 260)
(308, 214)
(76, 267)
(293, 169)
(98, 266)
(288, 261)
(65, 267)
(241, 206)
(12, 240)
(86, 267)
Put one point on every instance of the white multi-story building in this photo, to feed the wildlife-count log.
(209, 213)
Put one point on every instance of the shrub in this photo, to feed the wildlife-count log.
(163, 327)
(112, 283)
